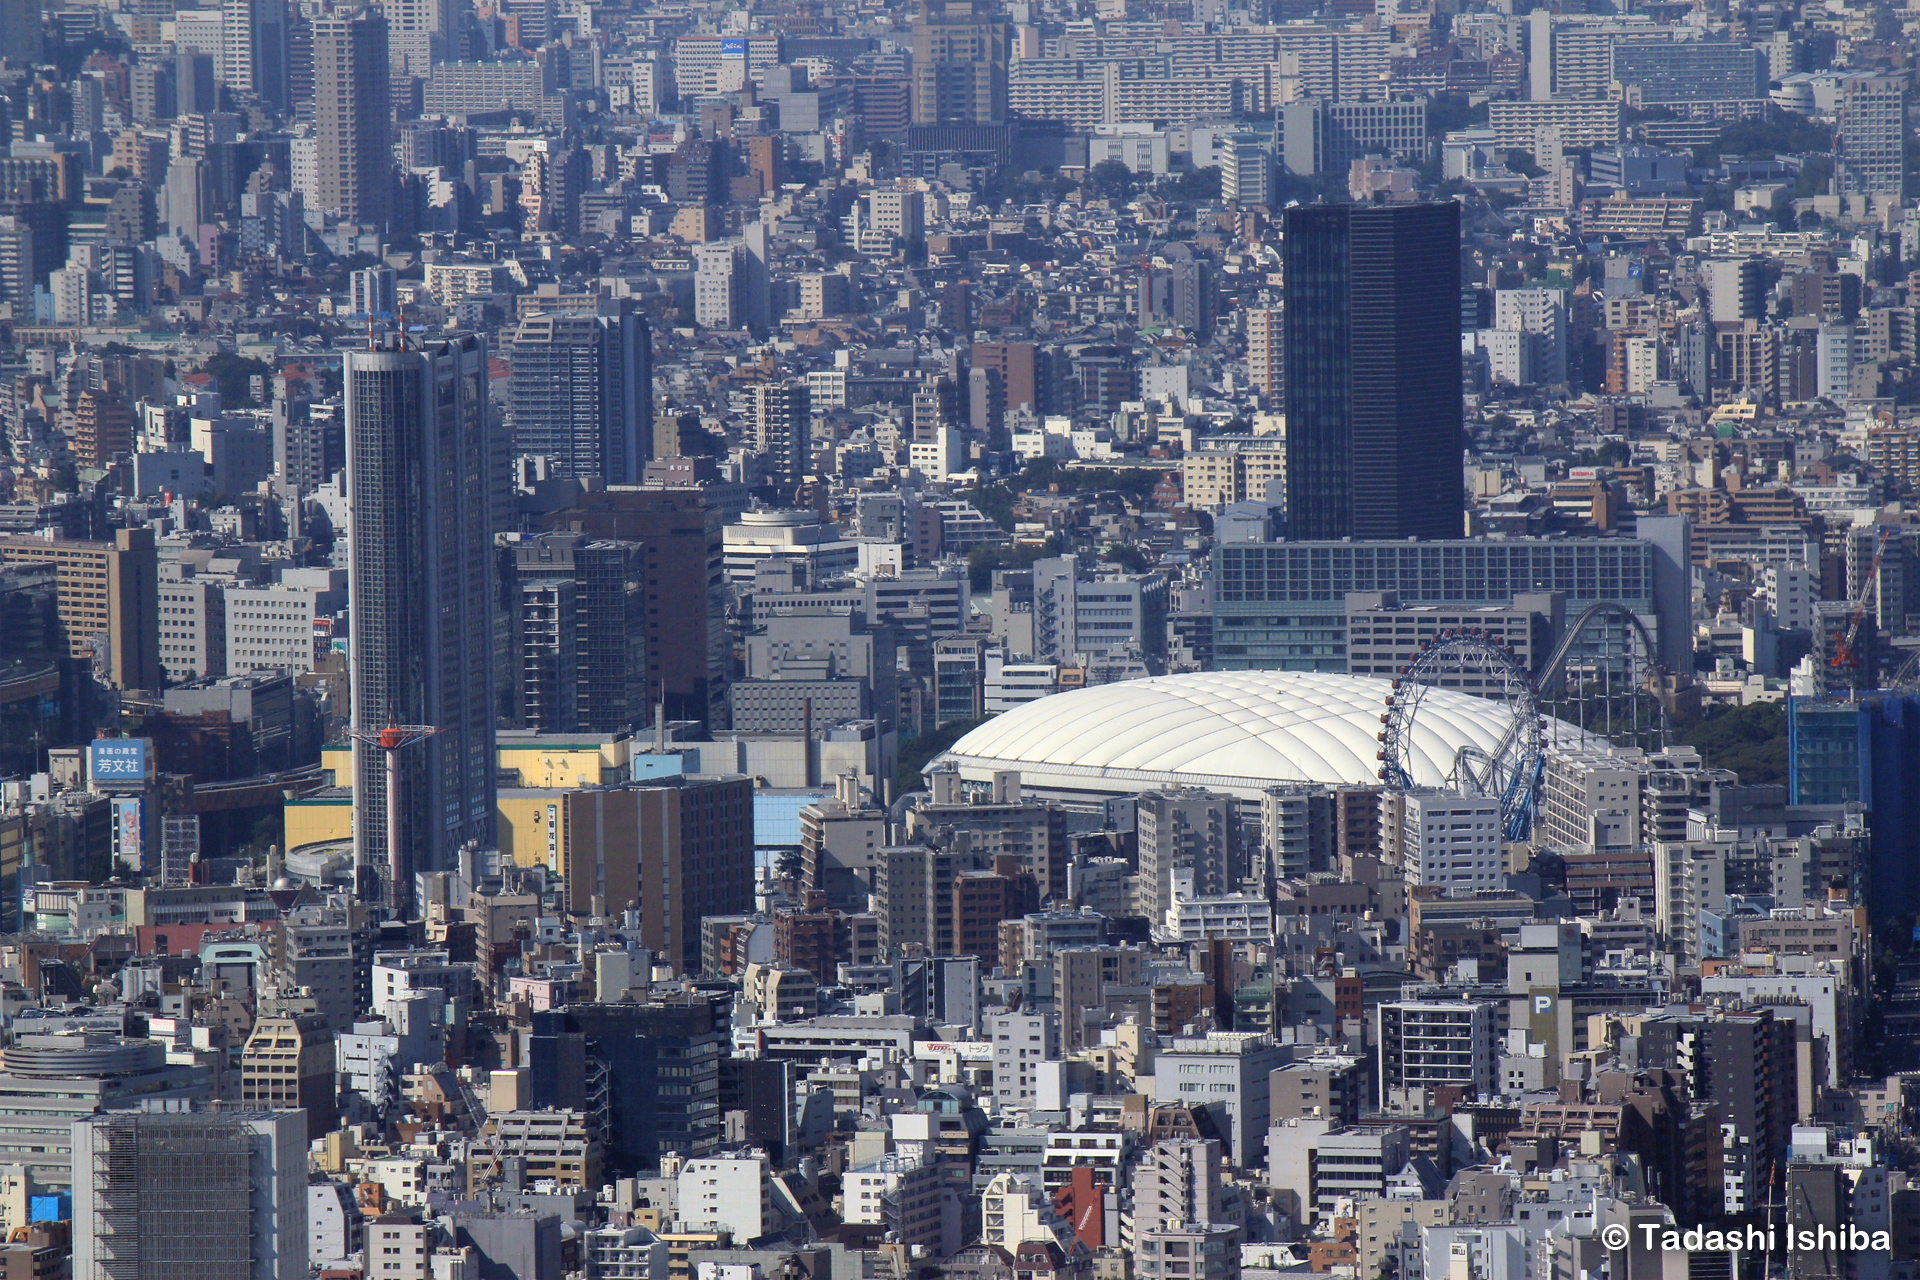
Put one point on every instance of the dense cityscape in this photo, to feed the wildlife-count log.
(917, 639)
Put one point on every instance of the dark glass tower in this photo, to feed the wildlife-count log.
(1372, 347)
(420, 579)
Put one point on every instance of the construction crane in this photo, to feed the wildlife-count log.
(1843, 649)
(391, 740)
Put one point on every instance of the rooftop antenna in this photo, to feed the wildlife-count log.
(660, 724)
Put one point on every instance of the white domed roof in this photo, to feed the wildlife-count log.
(1232, 731)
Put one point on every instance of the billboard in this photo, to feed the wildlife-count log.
(964, 1050)
(734, 47)
(128, 841)
(120, 762)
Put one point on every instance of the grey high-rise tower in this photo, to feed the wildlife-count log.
(581, 388)
(1372, 371)
(419, 473)
(353, 116)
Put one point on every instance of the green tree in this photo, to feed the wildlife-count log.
(231, 373)
(918, 751)
(1196, 184)
(984, 559)
(1750, 740)
(1110, 179)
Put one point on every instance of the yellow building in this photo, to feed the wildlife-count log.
(546, 764)
(323, 816)
(532, 826)
(562, 760)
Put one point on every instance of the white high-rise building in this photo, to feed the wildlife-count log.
(1452, 841)
(193, 624)
(1871, 141)
(732, 1194)
(253, 49)
(1541, 314)
(719, 281)
(1835, 353)
(1021, 1042)
(1246, 176)
(272, 627)
(375, 291)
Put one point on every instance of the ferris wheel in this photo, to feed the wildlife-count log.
(1468, 662)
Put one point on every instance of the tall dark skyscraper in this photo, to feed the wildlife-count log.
(1372, 371)
(582, 393)
(419, 474)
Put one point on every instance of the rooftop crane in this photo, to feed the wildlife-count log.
(1843, 654)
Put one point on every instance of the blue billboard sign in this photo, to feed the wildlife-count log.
(119, 761)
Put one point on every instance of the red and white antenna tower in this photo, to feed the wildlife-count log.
(390, 740)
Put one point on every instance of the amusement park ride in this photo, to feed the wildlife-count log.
(1602, 681)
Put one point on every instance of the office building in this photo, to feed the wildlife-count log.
(253, 50)
(1320, 137)
(671, 853)
(581, 390)
(1871, 140)
(190, 1196)
(1452, 842)
(1248, 170)
(352, 116)
(1226, 1074)
(287, 1064)
(49, 1081)
(1432, 1044)
(1079, 614)
(960, 51)
(193, 625)
(1373, 371)
(1648, 574)
(420, 464)
(577, 633)
(783, 430)
(108, 600)
(1022, 1042)
(683, 592)
(647, 1076)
